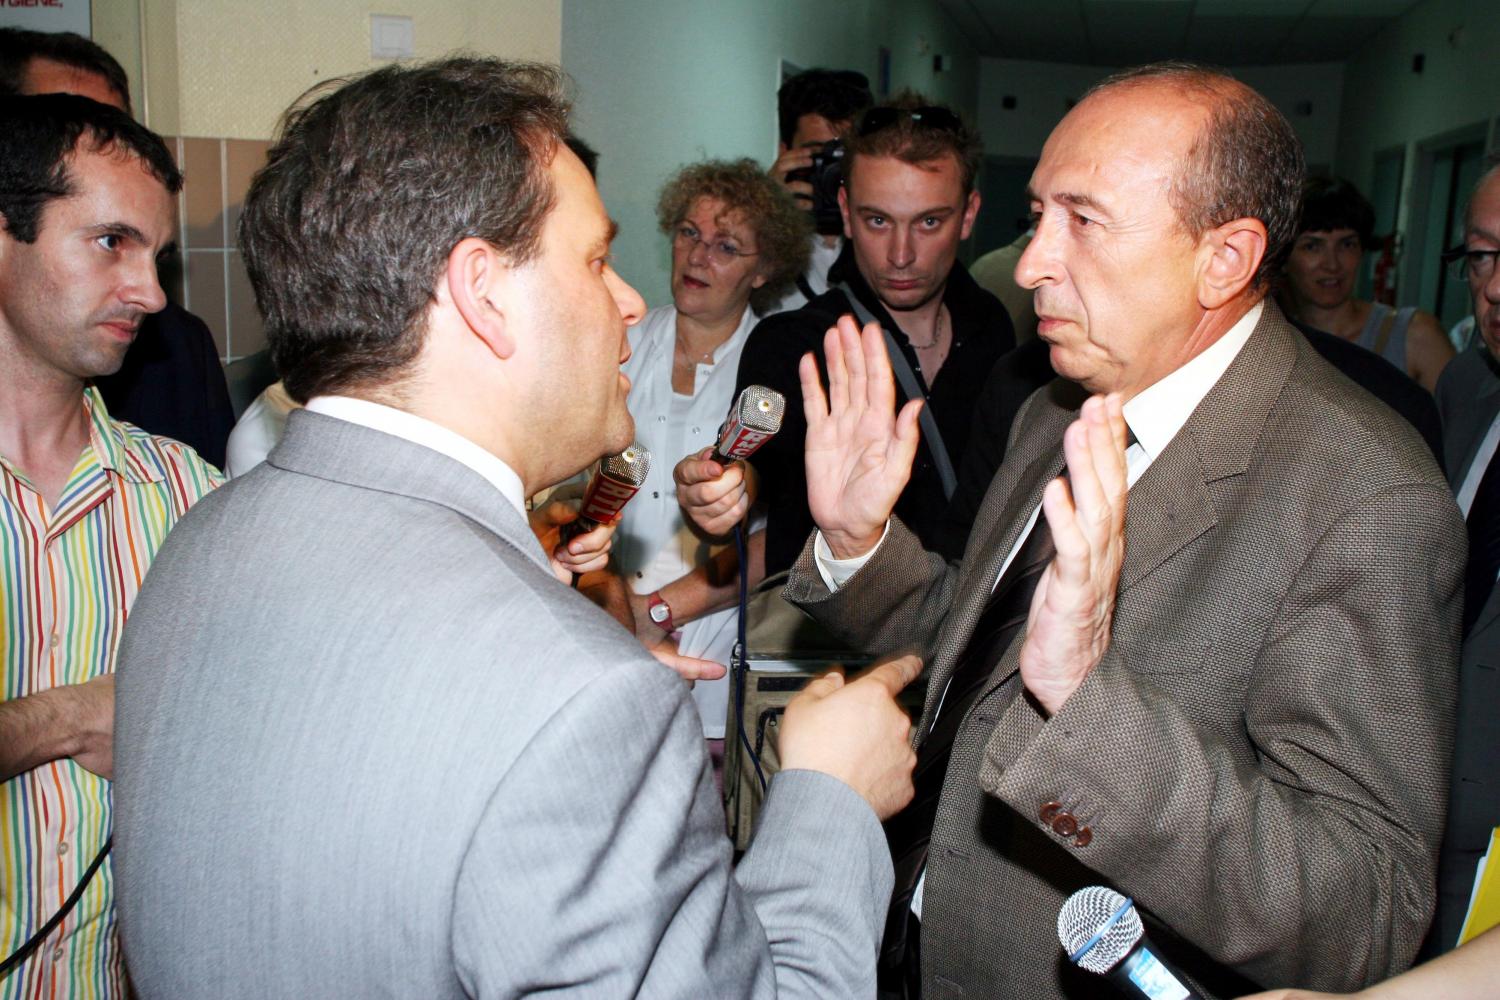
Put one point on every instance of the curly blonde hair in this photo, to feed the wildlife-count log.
(783, 232)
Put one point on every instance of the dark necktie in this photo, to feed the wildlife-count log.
(1484, 543)
(910, 831)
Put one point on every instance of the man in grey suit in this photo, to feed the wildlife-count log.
(1231, 700)
(369, 744)
(1468, 396)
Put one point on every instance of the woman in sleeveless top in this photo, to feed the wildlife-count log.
(1335, 231)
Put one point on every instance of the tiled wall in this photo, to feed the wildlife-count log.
(211, 281)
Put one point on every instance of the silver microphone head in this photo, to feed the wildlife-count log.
(1096, 912)
(761, 409)
(629, 466)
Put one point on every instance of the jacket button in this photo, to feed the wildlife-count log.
(1064, 825)
(1049, 810)
(1084, 838)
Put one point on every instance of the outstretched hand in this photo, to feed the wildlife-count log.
(857, 732)
(1068, 629)
(859, 450)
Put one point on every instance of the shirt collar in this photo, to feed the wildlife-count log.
(1157, 413)
(111, 443)
(421, 431)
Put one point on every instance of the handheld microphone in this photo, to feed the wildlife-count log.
(616, 479)
(753, 420)
(1102, 932)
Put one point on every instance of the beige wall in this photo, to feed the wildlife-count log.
(228, 69)
(214, 76)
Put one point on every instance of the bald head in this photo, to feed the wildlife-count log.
(1244, 162)
(1484, 188)
(1482, 233)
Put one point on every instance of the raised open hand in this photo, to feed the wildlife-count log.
(1072, 610)
(859, 450)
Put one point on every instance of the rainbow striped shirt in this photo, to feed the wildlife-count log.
(67, 577)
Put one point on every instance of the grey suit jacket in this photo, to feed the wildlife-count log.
(1261, 756)
(1468, 396)
(368, 746)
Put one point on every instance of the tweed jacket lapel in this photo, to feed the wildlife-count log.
(983, 564)
(340, 451)
(1171, 504)
(1168, 507)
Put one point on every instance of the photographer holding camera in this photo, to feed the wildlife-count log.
(908, 199)
(813, 109)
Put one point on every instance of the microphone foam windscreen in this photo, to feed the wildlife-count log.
(1087, 914)
(629, 466)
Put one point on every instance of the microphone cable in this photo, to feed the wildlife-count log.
(739, 662)
(14, 960)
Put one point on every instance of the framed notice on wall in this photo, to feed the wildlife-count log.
(47, 15)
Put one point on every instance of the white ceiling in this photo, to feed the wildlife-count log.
(1126, 32)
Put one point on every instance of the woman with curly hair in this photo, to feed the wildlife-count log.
(738, 241)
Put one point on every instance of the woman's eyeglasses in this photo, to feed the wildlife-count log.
(722, 252)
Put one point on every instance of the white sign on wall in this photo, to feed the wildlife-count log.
(47, 15)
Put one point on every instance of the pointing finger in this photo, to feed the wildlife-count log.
(895, 675)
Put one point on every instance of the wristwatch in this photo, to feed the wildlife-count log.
(660, 612)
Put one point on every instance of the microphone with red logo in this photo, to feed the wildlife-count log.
(754, 420)
(616, 479)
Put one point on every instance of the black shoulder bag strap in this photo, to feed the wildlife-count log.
(913, 389)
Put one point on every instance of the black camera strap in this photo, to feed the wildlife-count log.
(912, 386)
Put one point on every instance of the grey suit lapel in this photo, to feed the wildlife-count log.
(339, 451)
(1489, 614)
(1486, 405)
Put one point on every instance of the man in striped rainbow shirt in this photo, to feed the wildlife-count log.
(87, 206)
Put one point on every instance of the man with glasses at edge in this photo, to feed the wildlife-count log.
(1468, 398)
(908, 199)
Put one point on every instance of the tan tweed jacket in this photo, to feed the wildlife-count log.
(1261, 758)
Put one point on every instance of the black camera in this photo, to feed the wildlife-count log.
(826, 175)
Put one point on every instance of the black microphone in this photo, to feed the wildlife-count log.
(1102, 932)
(753, 420)
(616, 479)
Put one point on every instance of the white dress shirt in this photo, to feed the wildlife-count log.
(257, 430)
(1482, 458)
(419, 430)
(1154, 415)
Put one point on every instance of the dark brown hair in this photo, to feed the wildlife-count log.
(18, 47)
(912, 142)
(834, 94)
(782, 230)
(1330, 203)
(42, 133)
(366, 191)
(1245, 164)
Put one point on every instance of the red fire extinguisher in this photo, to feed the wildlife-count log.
(1385, 272)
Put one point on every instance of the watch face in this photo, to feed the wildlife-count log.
(659, 613)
